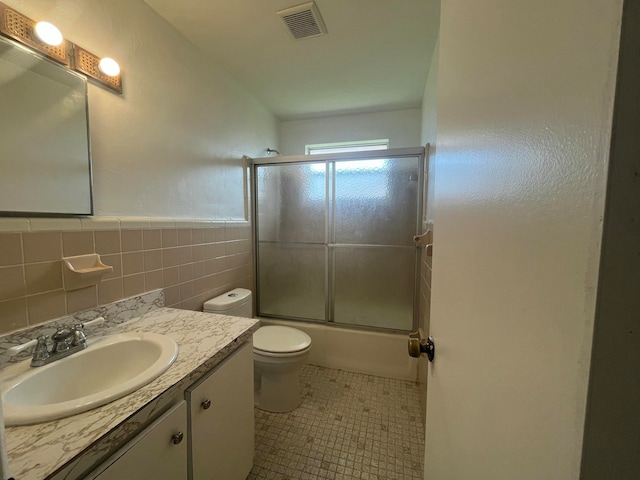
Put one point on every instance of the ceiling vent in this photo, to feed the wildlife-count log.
(303, 21)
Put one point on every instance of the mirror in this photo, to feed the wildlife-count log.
(45, 159)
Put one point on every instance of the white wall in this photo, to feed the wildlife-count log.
(401, 127)
(172, 145)
(429, 121)
(525, 95)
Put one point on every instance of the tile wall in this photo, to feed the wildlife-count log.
(191, 260)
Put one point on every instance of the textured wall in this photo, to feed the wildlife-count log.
(401, 127)
(525, 95)
(172, 145)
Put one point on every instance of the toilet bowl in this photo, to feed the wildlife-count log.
(278, 353)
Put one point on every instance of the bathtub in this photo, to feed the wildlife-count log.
(373, 353)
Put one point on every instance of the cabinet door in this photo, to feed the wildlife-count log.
(221, 420)
(158, 453)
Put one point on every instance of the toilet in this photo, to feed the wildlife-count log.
(278, 353)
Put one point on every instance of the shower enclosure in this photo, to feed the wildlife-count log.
(334, 237)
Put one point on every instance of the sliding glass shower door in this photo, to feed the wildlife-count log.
(334, 238)
(291, 233)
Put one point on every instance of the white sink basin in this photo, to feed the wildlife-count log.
(109, 368)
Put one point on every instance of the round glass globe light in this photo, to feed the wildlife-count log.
(109, 66)
(48, 33)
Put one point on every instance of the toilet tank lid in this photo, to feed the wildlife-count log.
(228, 300)
(280, 339)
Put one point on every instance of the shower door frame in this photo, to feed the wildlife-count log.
(326, 159)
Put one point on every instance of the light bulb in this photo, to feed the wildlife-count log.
(109, 66)
(48, 33)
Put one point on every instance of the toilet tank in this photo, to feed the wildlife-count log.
(237, 302)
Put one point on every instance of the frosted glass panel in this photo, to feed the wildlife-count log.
(366, 223)
(382, 195)
(374, 286)
(291, 203)
(292, 280)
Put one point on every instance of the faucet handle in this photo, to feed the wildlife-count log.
(95, 321)
(41, 352)
(78, 335)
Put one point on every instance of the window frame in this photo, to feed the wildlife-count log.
(346, 147)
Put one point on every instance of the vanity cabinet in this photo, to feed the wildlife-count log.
(220, 412)
(210, 436)
(159, 452)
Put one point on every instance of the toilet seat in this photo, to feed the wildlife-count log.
(280, 341)
(263, 353)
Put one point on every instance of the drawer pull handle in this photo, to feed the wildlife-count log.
(206, 404)
(177, 438)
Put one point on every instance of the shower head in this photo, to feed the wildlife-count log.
(271, 150)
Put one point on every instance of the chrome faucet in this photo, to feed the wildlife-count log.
(64, 342)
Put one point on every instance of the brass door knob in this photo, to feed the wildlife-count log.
(418, 347)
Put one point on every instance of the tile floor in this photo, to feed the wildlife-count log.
(349, 426)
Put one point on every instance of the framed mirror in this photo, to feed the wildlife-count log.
(45, 155)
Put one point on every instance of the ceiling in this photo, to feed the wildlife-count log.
(375, 57)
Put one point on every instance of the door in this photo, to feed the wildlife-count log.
(520, 180)
(221, 419)
(375, 207)
(159, 452)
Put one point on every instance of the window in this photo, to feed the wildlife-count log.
(376, 170)
(346, 147)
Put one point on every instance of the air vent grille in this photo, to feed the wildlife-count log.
(303, 21)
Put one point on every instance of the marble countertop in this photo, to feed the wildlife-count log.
(46, 449)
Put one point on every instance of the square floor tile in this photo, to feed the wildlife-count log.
(349, 426)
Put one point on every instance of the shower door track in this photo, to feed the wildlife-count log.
(328, 158)
(367, 155)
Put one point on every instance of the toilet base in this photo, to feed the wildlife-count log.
(277, 386)
(278, 395)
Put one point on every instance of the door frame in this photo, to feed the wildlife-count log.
(419, 152)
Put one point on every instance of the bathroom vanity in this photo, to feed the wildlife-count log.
(196, 417)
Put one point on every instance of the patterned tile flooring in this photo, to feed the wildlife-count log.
(349, 426)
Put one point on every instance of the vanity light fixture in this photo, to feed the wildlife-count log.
(105, 71)
(48, 33)
(46, 38)
(42, 37)
(109, 67)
